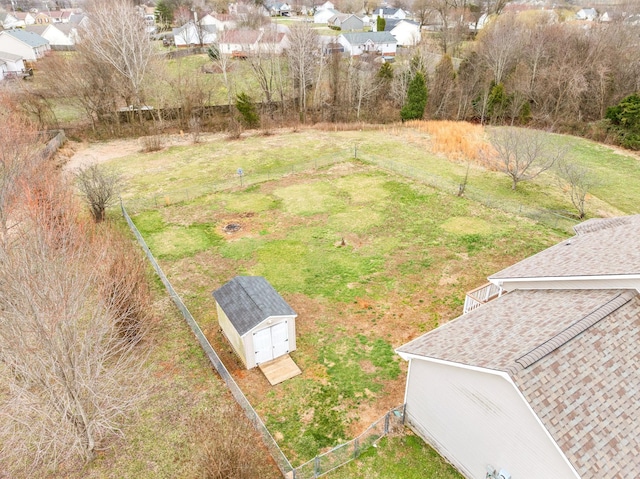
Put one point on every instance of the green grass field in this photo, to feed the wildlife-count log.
(410, 253)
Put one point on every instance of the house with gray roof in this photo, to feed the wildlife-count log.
(29, 45)
(379, 43)
(257, 321)
(346, 22)
(542, 380)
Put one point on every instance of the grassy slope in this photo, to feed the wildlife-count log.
(196, 169)
(411, 253)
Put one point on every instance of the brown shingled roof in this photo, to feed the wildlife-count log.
(600, 248)
(508, 328)
(596, 379)
(574, 354)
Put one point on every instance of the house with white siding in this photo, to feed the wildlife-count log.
(59, 35)
(380, 43)
(243, 42)
(11, 66)
(324, 15)
(29, 45)
(406, 32)
(18, 20)
(543, 379)
(194, 34)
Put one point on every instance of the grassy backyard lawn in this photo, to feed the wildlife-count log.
(410, 253)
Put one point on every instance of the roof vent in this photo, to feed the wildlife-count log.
(492, 473)
(504, 474)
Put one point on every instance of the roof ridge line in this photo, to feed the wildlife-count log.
(572, 331)
(247, 292)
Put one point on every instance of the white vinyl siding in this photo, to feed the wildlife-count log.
(478, 418)
(232, 335)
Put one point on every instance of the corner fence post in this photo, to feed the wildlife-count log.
(386, 424)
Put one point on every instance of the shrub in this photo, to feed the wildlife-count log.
(625, 121)
(247, 110)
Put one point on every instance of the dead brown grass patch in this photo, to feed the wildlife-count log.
(457, 140)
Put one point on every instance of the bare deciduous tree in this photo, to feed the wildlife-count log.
(18, 161)
(579, 180)
(70, 377)
(98, 188)
(117, 36)
(499, 46)
(522, 154)
(303, 53)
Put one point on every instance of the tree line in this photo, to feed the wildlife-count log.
(529, 68)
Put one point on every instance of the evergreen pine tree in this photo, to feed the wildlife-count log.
(247, 110)
(416, 101)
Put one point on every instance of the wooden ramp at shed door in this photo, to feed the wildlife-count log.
(280, 369)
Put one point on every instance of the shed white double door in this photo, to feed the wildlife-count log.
(270, 343)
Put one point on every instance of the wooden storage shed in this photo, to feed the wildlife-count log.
(256, 320)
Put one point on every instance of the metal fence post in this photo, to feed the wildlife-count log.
(386, 424)
(356, 449)
(316, 467)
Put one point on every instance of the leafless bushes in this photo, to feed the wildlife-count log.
(98, 188)
(71, 324)
(227, 445)
(151, 143)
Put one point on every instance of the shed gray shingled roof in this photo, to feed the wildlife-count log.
(249, 300)
(594, 251)
(574, 354)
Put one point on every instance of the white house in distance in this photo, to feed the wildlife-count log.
(324, 15)
(587, 14)
(59, 35)
(10, 65)
(257, 321)
(220, 21)
(244, 42)
(382, 43)
(543, 380)
(406, 32)
(192, 34)
(30, 46)
(393, 13)
(18, 20)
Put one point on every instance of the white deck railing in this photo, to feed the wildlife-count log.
(481, 295)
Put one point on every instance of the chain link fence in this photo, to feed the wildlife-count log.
(241, 179)
(555, 219)
(275, 451)
(392, 422)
